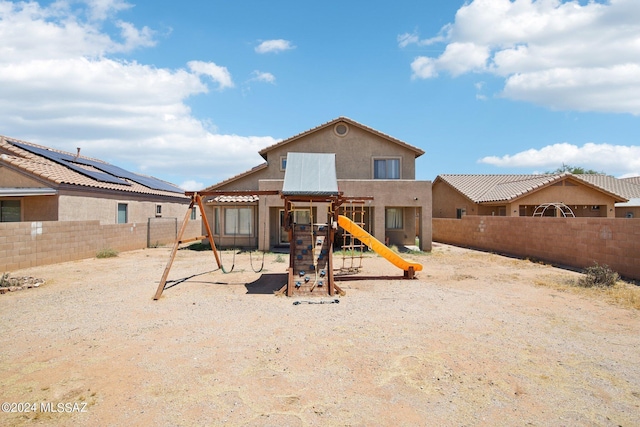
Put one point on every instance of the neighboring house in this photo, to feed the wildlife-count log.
(631, 208)
(369, 164)
(586, 195)
(41, 184)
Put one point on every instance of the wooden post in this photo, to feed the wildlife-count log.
(195, 198)
(174, 250)
(205, 221)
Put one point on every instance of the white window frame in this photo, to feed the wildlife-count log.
(283, 163)
(158, 210)
(375, 159)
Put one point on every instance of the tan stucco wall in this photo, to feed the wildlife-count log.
(446, 201)
(355, 153)
(575, 196)
(74, 207)
(623, 212)
(40, 208)
(12, 179)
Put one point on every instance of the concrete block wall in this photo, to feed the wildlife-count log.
(573, 242)
(30, 244)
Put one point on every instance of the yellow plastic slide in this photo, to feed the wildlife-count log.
(376, 245)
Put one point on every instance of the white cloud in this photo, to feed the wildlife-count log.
(613, 159)
(217, 73)
(192, 185)
(274, 46)
(561, 54)
(259, 76)
(61, 88)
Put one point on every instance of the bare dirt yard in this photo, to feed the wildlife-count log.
(475, 340)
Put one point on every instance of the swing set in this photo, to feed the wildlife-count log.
(196, 200)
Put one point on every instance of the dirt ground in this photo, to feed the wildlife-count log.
(473, 341)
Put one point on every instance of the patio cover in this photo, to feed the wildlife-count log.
(310, 174)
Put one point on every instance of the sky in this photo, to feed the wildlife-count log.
(190, 91)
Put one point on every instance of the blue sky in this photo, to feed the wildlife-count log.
(191, 91)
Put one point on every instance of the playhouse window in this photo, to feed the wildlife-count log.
(386, 168)
(394, 218)
(10, 211)
(238, 221)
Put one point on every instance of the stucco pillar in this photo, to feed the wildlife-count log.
(379, 223)
(263, 225)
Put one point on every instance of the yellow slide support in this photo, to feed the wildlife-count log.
(376, 245)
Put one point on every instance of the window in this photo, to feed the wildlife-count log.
(10, 211)
(302, 216)
(123, 213)
(193, 213)
(158, 210)
(394, 218)
(386, 168)
(283, 163)
(238, 221)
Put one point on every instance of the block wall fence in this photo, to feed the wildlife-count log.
(571, 242)
(30, 244)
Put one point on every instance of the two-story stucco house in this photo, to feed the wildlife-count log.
(369, 164)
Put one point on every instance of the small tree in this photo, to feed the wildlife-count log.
(576, 170)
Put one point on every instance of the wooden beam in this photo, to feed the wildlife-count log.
(174, 250)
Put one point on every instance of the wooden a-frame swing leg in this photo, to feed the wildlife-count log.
(194, 199)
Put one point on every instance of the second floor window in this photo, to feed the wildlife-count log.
(386, 169)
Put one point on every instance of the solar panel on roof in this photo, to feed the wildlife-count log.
(67, 161)
(147, 181)
(109, 173)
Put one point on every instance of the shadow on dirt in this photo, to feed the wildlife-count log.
(267, 283)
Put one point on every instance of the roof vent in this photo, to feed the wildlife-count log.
(341, 129)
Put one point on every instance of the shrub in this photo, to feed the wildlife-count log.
(600, 276)
(279, 258)
(107, 253)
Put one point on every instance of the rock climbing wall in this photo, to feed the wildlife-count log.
(310, 260)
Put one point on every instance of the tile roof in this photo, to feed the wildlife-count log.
(622, 187)
(418, 151)
(236, 177)
(56, 173)
(499, 188)
(492, 188)
(233, 199)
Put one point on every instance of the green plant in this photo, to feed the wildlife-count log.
(600, 276)
(3, 280)
(279, 258)
(107, 253)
